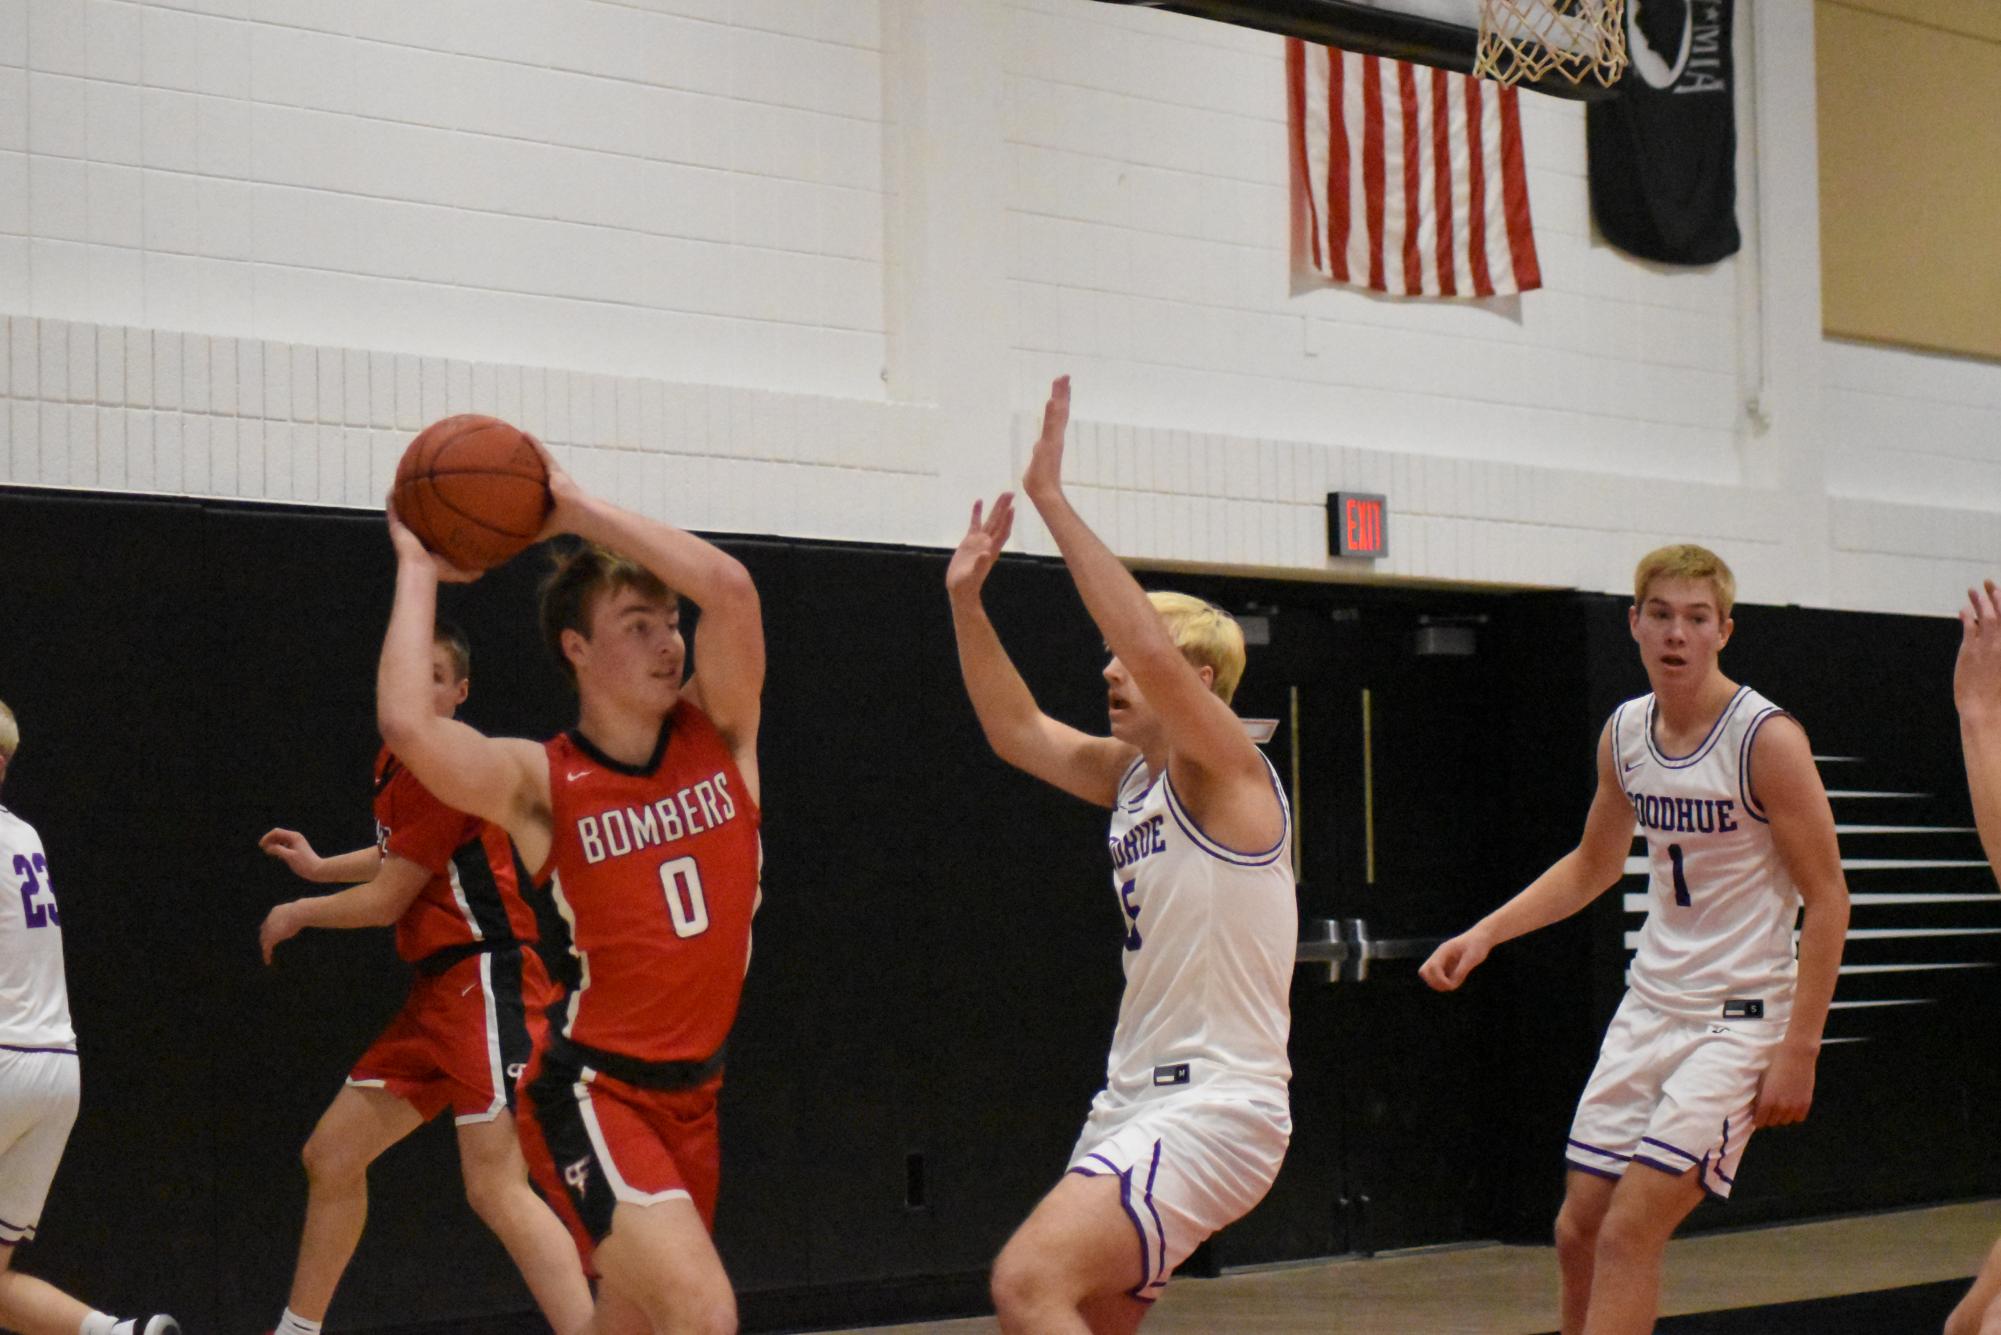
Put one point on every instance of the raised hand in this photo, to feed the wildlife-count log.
(292, 848)
(409, 548)
(970, 564)
(1976, 675)
(1045, 465)
(564, 494)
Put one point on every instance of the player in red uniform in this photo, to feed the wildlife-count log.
(642, 822)
(446, 880)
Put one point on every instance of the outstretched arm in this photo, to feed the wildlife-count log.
(296, 852)
(375, 903)
(1015, 726)
(1204, 735)
(1574, 880)
(1787, 783)
(504, 780)
(1976, 690)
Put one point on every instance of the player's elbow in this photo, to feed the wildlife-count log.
(1829, 906)
(730, 586)
(1598, 872)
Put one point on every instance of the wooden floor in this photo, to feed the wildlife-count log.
(1496, 1290)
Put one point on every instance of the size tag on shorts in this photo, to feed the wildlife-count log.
(1740, 1009)
(1176, 1074)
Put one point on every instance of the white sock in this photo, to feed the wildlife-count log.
(97, 1323)
(294, 1324)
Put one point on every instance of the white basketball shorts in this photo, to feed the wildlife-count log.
(38, 1101)
(1672, 1094)
(1186, 1165)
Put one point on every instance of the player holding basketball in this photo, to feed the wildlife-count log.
(1976, 690)
(642, 823)
(446, 880)
(1720, 1029)
(1193, 1121)
(38, 1077)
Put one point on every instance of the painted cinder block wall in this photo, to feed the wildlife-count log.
(804, 268)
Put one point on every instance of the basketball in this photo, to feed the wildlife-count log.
(473, 489)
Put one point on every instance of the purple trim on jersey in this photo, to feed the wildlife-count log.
(1745, 788)
(1618, 752)
(1586, 1145)
(1125, 1177)
(1220, 852)
(1119, 799)
(1728, 1180)
(27, 1232)
(1139, 1227)
(1159, 1229)
(1660, 1167)
(1715, 731)
(1692, 1158)
(9, 1047)
(1702, 1178)
(1595, 1172)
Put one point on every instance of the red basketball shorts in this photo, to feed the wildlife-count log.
(463, 1036)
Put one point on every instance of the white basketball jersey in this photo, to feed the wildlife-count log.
(1718, 940)
(34, 997)
(1210, 939)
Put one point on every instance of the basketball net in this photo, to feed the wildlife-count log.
(1527, 39)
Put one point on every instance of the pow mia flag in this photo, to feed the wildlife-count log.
(1663, 153)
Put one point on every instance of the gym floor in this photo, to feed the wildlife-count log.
(1498, 1290)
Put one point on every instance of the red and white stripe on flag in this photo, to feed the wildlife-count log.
(1406, 178)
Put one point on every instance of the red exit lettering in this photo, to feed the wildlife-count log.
(1357, 524)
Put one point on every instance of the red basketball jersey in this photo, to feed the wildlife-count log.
(654, 868)
(473, 896)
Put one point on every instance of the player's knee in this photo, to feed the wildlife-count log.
(1576, 1235)
(715, 1315)
(327, 1161)
(490, 1196)
(1018, 1285)
(696, 1306)
(1627, 1235)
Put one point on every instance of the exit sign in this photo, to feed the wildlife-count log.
(1357, 524)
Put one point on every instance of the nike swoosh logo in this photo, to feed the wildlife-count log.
(574, 775)
(1629, 769)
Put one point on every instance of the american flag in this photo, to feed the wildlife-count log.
(1377, 144)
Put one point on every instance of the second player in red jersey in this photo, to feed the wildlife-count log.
(642, 825)
(464, 1033)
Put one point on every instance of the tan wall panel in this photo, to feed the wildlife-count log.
(1910, 177)
(1974, 18)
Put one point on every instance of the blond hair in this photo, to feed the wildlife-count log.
(10, 732)
(573, 586)
(1206, 635)
(1685, 560)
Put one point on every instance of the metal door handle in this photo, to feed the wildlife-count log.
(1326, 947)
(1347, 948)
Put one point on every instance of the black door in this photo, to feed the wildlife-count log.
(1392, 717)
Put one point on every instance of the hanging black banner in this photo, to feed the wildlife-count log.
(1663, 153)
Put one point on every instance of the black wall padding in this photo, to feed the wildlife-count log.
(936, 968)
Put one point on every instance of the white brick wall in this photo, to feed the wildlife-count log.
(1149, 157)
(686, 190)
(109, 408)
(248, 246)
